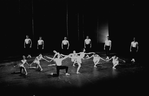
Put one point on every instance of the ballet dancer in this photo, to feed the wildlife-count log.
(77, 58)
(96, 59)
(40, 44)
(87, 43)
(84, 55)
(134, 46)
(73, 57)
(58, 62)
(37, 62)
(65, 45)
(27, 45)
(115, 61)
(22, 67)
(78, 61)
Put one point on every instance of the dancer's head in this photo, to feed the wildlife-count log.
(54, 51)
(96, 55)
(40, 55)
(74, 51)
(108, 38)
(27, 36)
(134, 39)
(40, 38)
(65, 38)
(83, 50)
(23, 57)
(87, 37)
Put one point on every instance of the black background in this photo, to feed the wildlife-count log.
(125, 20)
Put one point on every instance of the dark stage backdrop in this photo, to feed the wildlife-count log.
(47, 18)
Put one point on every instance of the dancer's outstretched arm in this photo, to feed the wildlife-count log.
(49, 58)
(89, 57)
(63, 55)
(66, 56)
(45, 59)
(109, 59)
(103, 59)
(91, 53)
(121, 60)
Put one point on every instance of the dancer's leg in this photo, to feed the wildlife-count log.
(79, 66)
(25, 70)
(66, 67)
(39, 66)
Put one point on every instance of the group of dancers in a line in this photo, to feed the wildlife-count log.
(76, 58)
(134, 46)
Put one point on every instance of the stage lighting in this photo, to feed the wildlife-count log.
(102, 33)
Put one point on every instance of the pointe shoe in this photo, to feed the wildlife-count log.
(41, 70)
(26, 74)
(95, 66)
(113, 67)
(133, 60)
(67, 74)
(78, 72)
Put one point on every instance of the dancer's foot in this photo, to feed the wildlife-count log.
(95, 66)
(78, 72)
(51, 73)
(114, 67)
(41, 69)
(133, 60)
(26, 74)
(67, 74)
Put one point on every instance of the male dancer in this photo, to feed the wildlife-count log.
(107, 46)
(40, 44)
(58, 63)
(134, 46)
(87, 43)
(27, 45)
(65, 45)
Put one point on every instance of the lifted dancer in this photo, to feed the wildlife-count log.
(58, 63)
(134, 46)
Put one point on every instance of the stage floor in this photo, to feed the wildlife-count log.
(90, 78)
